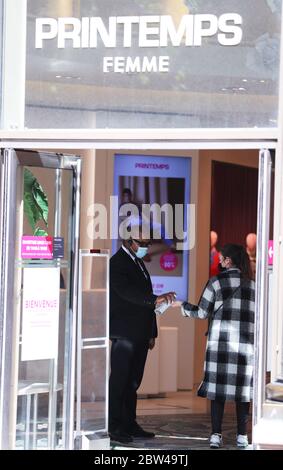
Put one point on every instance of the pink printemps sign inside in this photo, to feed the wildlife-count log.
(36, 247)
(168, 261)
(270, 252)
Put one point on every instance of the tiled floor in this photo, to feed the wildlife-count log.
(181, 421)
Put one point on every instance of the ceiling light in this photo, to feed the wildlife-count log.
(68, 77)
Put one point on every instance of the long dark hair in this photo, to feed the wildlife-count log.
(239, 258)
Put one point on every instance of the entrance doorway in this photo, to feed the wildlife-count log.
(189, 372)
(191, 334)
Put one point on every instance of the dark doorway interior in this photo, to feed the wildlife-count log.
(233, 202)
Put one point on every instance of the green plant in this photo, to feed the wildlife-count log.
(35, 203)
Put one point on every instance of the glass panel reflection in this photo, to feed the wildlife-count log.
(94, 297)
(93, 347)
(93, 398)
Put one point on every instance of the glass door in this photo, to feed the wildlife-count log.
(267, 397)
(40, 197)
(93, 350)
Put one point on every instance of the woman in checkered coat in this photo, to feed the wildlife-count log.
(228, 302)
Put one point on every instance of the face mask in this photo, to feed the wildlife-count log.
(142, 251)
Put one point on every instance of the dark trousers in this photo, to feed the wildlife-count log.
(217, 411)
(127, 366)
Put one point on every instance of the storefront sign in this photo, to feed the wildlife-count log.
(41, 287)
(151, 31)
(153, 64)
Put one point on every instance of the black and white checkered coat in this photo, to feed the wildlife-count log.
(228, 364)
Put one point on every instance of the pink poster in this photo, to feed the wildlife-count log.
(37, 247)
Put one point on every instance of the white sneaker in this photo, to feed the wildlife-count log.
(242, 440)
(215, 441)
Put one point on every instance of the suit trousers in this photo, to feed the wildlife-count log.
(128, 359)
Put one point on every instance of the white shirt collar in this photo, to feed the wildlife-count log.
(128, 252)
(134, 259)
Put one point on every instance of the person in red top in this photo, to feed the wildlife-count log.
(214, 255)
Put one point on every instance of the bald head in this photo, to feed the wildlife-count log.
(251, 242)
(213, 238)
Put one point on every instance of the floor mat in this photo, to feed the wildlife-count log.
(183, 432)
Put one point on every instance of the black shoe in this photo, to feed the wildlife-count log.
(120, 436)
(138, 431)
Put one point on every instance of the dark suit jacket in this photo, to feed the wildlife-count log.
(131, 300)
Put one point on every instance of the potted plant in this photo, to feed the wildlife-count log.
(35, 204)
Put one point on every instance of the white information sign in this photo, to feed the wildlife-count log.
(41, 290)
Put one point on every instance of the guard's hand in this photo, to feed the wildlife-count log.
(151, 343)
(168, 297)
(177, 303)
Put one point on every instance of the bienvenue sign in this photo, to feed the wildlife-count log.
(40, 313)
(150, 31)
